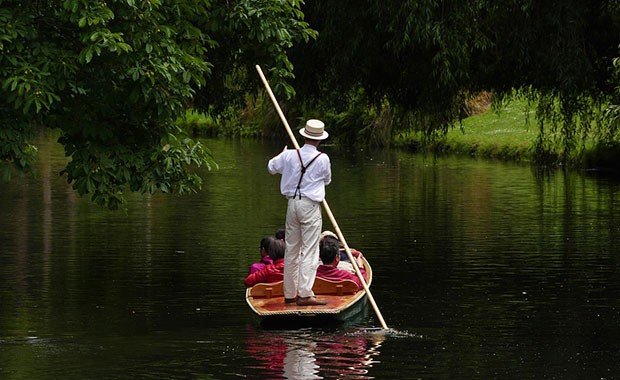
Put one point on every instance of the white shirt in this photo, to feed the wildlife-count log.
(317, 175)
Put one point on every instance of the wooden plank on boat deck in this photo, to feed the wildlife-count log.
(277, 305)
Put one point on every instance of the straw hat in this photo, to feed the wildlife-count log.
(314, 130)
(329, 233)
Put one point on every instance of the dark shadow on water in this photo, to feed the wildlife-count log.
(327, 322)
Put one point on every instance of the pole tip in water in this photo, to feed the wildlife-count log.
(375, 329)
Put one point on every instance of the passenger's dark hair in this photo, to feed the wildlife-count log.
(328, 249)
(280, 233)
(276, 249)
(328, 238)
(266, 241)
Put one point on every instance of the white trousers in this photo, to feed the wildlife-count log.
(301, 258)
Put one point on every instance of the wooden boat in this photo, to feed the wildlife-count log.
(344, 301)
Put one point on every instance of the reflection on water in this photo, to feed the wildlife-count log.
(313, 354)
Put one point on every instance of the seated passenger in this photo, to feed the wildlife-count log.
(329, 254)
(270, 273)
(264, 255)
(344, 263)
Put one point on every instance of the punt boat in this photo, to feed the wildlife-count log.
(344, 302)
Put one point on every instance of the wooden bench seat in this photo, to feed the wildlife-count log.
(338, 288)
(267, 290)
(320, 287)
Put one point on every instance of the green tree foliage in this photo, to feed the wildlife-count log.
(424, 57)
(251, 32)
(113, 76)
(419, 55)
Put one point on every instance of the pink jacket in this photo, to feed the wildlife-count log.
(261, 264)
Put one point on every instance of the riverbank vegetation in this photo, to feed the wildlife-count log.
(510, 131)
(115, 78)
(404, 74)
(506, 132)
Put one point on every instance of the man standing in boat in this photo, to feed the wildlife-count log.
(305, 173)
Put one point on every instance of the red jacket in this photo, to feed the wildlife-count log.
(270, 273)
(329, 272)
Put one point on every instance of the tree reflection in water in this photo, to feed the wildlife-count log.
(312, 353)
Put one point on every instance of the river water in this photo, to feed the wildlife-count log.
(481, 270)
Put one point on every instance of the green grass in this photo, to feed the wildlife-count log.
(504, 133)
(511, 133)
(197, 123)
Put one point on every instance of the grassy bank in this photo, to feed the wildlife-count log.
(508, 133)
(511, 133)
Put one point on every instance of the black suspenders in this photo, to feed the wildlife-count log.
(303, 171)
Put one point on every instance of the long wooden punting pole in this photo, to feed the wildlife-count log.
(325, 205)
